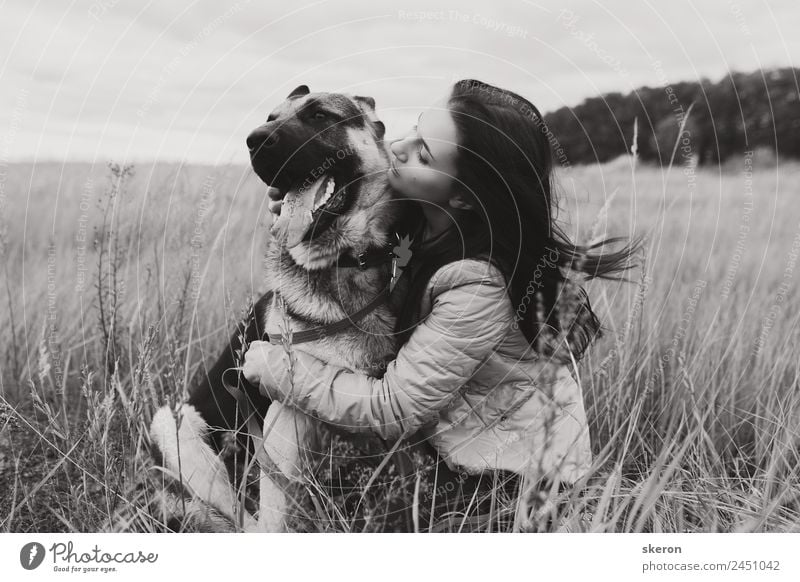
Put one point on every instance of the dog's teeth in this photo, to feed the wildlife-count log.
(328, 192)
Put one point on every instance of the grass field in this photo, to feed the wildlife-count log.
(117, 286)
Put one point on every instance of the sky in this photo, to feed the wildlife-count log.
(138, 81)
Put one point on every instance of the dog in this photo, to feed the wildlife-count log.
(331, 254)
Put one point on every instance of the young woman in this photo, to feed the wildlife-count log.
(489, 331)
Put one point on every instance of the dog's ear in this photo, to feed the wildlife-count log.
(380, 129)
(299, 91)
(367, 105)
(368, 101)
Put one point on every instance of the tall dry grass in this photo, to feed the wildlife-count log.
(121, 284)
(693, 395)
(118, 287)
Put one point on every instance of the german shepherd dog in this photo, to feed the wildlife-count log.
(329, 257)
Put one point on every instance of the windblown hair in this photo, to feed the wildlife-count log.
(505, 163)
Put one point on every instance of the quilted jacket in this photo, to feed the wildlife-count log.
(467, 378)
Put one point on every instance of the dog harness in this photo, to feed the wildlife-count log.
(322, 331)
(370, 258)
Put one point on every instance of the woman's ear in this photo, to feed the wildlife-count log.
(460, 201)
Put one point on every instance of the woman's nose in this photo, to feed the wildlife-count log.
(397, 150)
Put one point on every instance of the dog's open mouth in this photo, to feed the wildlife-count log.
(309, 210)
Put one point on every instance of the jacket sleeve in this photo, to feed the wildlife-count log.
(467, 322)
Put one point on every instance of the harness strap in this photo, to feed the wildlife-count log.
(372, 257)
(322, 331)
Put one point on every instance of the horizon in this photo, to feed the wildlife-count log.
(140, 161)
(185, 84)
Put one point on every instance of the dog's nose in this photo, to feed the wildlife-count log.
(262, 137)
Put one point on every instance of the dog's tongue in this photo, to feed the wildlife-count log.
(295, 218)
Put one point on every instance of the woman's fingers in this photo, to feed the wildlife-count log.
(276, 200)
(255, 362)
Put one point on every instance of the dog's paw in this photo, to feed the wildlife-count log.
(182, 450)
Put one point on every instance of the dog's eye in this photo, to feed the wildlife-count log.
(320, 115)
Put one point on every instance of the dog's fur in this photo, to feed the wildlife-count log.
(306, 133)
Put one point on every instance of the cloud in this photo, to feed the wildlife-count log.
(189, 80)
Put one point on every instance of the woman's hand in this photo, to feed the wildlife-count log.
(264, 365)
(276, 200)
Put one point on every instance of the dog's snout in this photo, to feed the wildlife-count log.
(262, 137)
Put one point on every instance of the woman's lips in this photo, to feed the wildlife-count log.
(393, 168)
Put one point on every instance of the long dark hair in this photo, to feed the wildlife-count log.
(505, 164)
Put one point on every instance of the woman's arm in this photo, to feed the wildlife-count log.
(466, 324)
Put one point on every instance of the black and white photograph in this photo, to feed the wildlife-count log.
(513, 268)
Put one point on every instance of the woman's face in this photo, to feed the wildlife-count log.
(423, 163)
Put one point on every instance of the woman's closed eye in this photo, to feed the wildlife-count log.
(422, 160)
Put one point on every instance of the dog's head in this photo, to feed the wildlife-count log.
(325, 152)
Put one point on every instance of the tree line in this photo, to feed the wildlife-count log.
(741, 112)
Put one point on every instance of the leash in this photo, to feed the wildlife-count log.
(254, 431)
